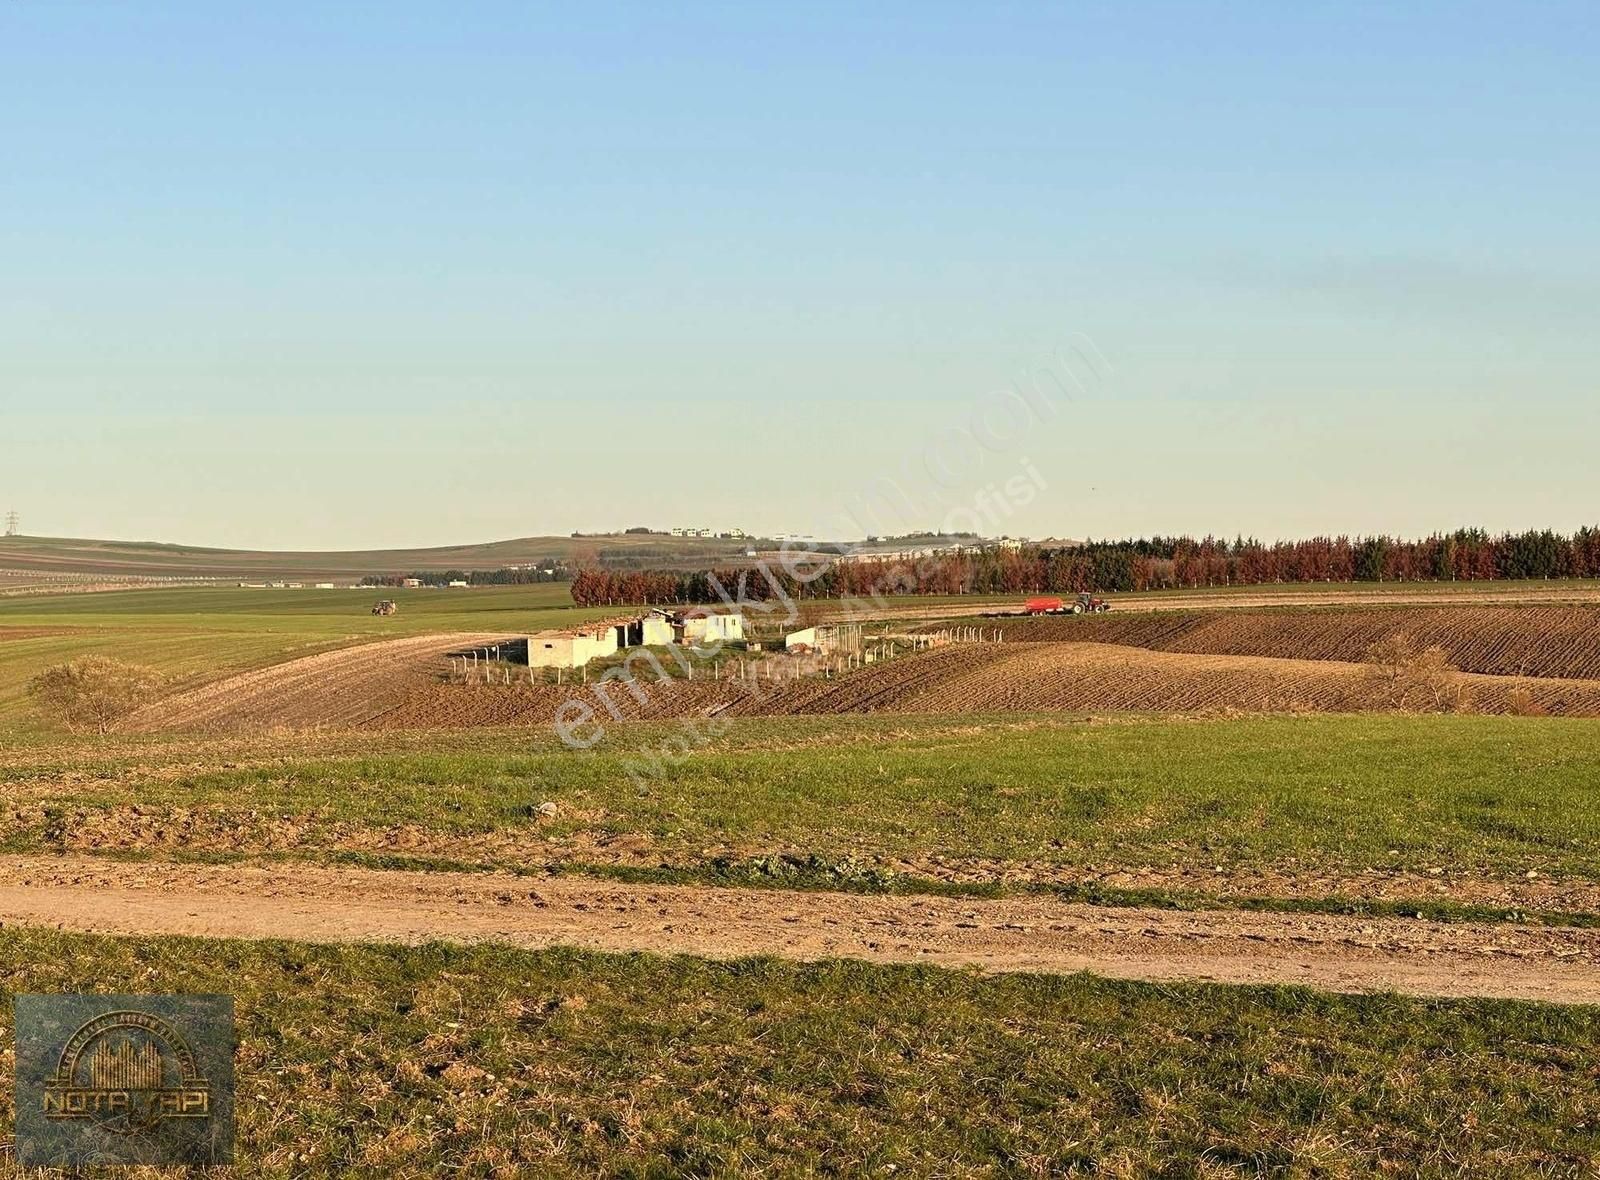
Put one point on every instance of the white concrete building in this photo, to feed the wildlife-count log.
(706, 629)
(653, 631)
(571, 649)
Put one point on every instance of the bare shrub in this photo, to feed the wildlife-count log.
(1521, 702)
(93, 693)
(1413, 678)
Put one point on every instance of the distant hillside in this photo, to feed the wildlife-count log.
(66, 559)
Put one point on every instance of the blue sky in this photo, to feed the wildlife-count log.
(526, 268)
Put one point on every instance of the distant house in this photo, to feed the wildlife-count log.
(411, 583)
(458, 584)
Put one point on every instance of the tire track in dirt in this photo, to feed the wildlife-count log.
(315, 904)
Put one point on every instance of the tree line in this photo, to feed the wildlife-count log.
(1158, 563)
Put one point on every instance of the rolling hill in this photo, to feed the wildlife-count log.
(59, 559)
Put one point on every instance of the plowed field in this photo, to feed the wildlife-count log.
(1023, 677)
(1169, 662)
(1561, 642)
(335, 688)
(1096, 677)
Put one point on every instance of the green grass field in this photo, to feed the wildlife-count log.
(199, 633)
(385, 1062)
(1497, 796)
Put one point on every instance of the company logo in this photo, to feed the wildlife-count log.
(127, 1071)
(124, 1080)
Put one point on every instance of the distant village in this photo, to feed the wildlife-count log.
(787, 546)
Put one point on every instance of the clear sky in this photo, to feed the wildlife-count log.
(304, 275)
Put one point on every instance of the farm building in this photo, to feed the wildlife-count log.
(576, 646)
(711, 628)
(572, 649)
(654, 630)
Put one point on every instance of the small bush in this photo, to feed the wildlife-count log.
(94, 693)
(1520, 702)
(1416, 679)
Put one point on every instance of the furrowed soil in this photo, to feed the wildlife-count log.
(335, 688)
(1511, 594)
(1335, 953)
(1032, 677)
(1559, 642)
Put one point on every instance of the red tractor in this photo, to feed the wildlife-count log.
(1084, 604)
(1088, 604)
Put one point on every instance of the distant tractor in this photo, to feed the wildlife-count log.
(386, 607)
(1088, 604)
(1084, 604)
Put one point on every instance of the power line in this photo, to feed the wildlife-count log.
(13, 524)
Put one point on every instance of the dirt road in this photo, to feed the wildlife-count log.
(316, 904)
